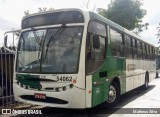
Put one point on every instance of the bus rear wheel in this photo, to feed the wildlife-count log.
(114, 94)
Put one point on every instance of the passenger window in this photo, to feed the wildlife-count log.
(134, 46)
(97, 28)
(139, 49)
(117, 43)
(128, 47)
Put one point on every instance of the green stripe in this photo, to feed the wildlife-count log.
(28, 80)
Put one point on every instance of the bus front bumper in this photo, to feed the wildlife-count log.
(71, 98)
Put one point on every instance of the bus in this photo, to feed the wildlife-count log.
(70, 58)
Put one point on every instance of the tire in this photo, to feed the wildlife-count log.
(145, 86)
(114, 94)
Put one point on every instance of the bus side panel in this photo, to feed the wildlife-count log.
(152, 73)
(97, 94)
(136, 71)
(78, 99)
(100, 85)
(115, 67)
(89, 91)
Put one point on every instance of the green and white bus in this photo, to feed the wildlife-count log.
(71, 58)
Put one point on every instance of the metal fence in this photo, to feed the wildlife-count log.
(6, 79)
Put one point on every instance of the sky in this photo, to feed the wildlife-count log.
(12, 12)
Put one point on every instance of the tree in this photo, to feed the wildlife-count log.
(26, 12)
(157, 50)
(158, 33)
(127, 13)
(86, 3)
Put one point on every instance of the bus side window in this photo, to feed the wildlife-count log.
(144, 50)
(134, 46)
(117, 43)
(128, 47)
(153, 53)
(96, 46)
(139, 49)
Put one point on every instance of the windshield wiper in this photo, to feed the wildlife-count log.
(52, 39)
(21, 63)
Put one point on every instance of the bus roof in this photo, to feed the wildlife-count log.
(51, 11)
(92, 17)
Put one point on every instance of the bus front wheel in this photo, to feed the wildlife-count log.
(114, 94)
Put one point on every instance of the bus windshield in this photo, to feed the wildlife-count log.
(53, 50)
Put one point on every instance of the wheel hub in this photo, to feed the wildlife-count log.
(112, 94)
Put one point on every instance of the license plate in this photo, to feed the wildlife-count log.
(39, 96)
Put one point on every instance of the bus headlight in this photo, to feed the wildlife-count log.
(64, 88)
(57, 89)
(26, 87)
(21, 85)
(71, 85)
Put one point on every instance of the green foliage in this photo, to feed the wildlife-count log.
(158, 37)
(157, 50)
(158, 33)
(140, 27)
(26, 12)
(127, 13)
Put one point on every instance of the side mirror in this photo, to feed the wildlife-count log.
(5, 40)
(96, 42)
